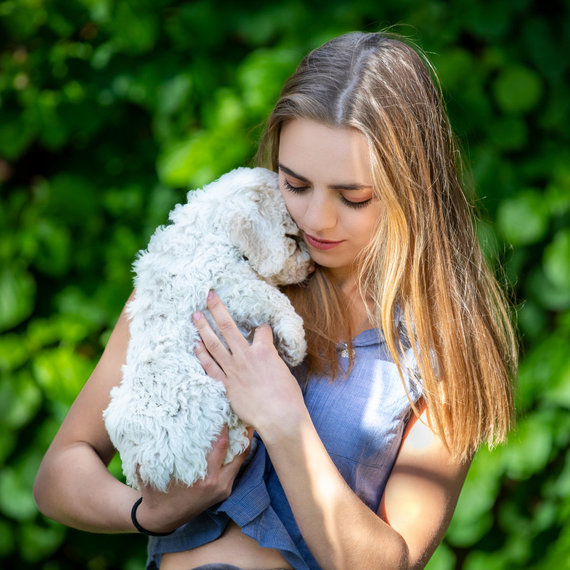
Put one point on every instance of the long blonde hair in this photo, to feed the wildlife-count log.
(423, 265)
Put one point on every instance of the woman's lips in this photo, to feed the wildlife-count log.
(322, 244)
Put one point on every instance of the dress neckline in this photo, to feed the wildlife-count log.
(368, 337)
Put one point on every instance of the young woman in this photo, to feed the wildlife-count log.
(358, 456)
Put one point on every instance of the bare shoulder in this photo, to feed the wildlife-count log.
(423, 489)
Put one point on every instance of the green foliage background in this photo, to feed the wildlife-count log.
(111, 109)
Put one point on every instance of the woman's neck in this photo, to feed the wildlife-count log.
(357, 307)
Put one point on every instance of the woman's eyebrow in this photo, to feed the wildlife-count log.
(292, 173)
(332, 186)
(350, 186)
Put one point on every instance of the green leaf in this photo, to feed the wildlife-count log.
(494, 176)
(558, 390)
(227, 110)
(53, 250)
(48, 117)
(451, 66)
(545, 293)
(204, 156)
(13, 351)
(515, 265)
(61, 372)
(20, 399)
(518, 89)
(17, 296)
(39, 542)
(543, 46)
(135, 562)
(542, 368)
(8, 441)
(532, 320)
(15, 136)
(488, 20)
(509, 133)
(175, 163)
(480, 560)
(73, 199)
(561, 487)
(23, 18)
(7, 541)
(77, 306)
(557, 552)
(529, 447)
(173, 94)
(69, 329)
(558, 198)
(16, 500)
(261, 76)
(556, 260)
(135, 29)
(523, 219)
(124, 201)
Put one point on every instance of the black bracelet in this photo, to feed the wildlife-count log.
(141, 528)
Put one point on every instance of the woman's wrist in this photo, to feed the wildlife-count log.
(149, 521)
(287, 425)
(140, 528)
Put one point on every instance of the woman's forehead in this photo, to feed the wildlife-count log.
(337, 155)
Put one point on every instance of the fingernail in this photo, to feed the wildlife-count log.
(197, 316)
(210, 294)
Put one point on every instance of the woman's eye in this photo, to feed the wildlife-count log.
(352, 204)
(300, 188)
(293, 188)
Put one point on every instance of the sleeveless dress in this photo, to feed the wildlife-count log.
(360, 419)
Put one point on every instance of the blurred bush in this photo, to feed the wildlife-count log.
(111, 109)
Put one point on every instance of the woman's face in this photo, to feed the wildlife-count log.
(326, 180)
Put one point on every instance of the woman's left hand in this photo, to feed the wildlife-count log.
(260, 387)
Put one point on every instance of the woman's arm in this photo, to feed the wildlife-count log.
(340, 530)
(422, 491)
(74, 487)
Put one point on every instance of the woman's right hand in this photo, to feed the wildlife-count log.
(164, 512)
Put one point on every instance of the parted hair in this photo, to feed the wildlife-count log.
(423, 266)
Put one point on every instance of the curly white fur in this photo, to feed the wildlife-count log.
(236, 237)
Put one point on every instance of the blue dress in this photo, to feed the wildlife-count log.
(360, 419)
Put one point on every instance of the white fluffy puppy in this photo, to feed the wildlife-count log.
(234, 236)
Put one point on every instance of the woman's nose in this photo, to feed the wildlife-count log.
(321, 211)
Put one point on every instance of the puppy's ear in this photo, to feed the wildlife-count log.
(259, 243)
(245, 234)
